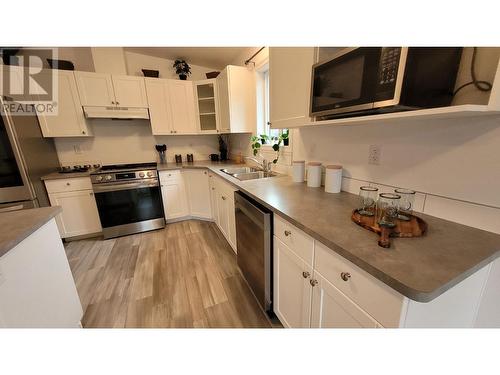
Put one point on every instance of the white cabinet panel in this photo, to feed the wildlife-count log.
(290, 85)
(236, 90)
(198, 193)
(70, 120)
(129, 91)
(159, 106)
(292, 288)
(213, 196)
(223, 102)
(174, 196)
(332, 309)
(182, 106)
(207, 101)
(95, 89)
(79, 213)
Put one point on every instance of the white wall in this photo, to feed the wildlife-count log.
(109, 60)
(130, 141)
(135, 62)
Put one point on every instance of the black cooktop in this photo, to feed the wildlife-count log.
(125, 167)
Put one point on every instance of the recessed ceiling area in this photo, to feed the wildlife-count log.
(211, 57)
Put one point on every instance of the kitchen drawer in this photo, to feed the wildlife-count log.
(299, 242)
(225, 187)
(170, 175)
(379, 300)
(68, 184)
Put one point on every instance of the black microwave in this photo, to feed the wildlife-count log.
(368, 80)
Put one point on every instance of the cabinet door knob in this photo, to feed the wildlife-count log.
(91, 193)
(112, 102)
(287, 233)
(345, 276)
(313, 282)
(223, 198)
(83, 131)
(67, 184)
(117, 103)
(305, 274)
(213, 188)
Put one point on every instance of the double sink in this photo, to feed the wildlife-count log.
(248, 173)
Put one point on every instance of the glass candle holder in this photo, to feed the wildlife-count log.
(367, 195)
(406, 203)
(387, 209)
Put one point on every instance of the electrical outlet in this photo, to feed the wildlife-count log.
(77, 149)
(374, 154)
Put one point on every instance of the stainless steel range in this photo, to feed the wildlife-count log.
(128, 198)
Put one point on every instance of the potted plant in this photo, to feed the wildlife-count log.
(285, 136)
(182, 68)
(258, 141)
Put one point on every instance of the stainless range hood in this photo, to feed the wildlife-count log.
(123, 113)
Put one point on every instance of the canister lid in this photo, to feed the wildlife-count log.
(298, 161)
(314, 163)
(333, 166)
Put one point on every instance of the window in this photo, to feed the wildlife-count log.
(263, 104)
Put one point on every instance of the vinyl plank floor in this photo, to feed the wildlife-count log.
(183, 276)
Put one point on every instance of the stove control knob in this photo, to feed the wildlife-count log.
(98, 178)
(150, 174)
(108, 177)
(141, 174)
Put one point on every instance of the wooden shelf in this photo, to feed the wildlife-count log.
(207, 113)
(458, 111)
(207, 98)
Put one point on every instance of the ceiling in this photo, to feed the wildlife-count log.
(210, 57)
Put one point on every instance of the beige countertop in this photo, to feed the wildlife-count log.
(17, 225)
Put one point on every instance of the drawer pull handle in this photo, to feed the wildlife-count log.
(305, 274)
(313, 282)
(345, 276)
(287, 233)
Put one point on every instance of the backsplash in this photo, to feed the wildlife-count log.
(123, 141)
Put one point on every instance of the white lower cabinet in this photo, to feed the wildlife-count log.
(332, 309)
(304, 297)
(225, 217)
(173, 194)
(198, 193)
(79, 214)
(213, 196)
(292, 288)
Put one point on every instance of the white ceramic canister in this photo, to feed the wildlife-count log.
(333, 178)
(314, 174)
(298, 170)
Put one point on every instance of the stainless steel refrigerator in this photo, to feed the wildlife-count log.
(25, 156)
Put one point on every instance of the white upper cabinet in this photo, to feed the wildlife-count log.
(206, 93)
(236, 89)
(130, 91)
(70, 120)
(182, 106)
(171, 106)
(103, 90)
(290, 70)
(95, 89)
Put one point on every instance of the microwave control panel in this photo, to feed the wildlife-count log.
(389, 64)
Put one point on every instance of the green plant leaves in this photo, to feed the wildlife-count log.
(276, 147)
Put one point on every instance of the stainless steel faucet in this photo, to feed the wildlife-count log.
(263, 164)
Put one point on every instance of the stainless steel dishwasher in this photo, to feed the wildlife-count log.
(254, 243)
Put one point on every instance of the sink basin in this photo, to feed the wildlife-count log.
(253, 175)
(239, 170)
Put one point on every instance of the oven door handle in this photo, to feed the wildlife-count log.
(128, 186)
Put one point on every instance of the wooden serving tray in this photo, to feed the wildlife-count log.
(415, 227)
